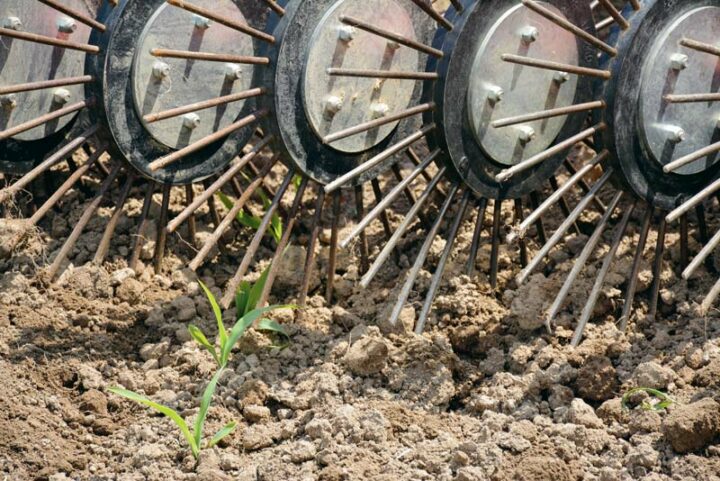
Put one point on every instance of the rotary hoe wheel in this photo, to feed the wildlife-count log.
(168, 93)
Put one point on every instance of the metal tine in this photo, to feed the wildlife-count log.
(690, 158)
(392, 36)
(657, 269)
(637, 261)
(495, 246)
(702, 256)
(228, 22)
(284, 241)
(539, 225)
(440, 269)
(204, 142)
(547, 114)
(275, 7)
(161, 238)
(209, 56)
(104, 245)
(564, 227)
(360, 214)
(401, 229)
(558, 193)
(561, 67)
(702, 224)
(373, 124)
(210, 191)
(312, 242)
(382, 74)
(691, 98)
(422, 256)
(523, 246)
(409, 194)
(477, 234)
(570, 27)
(332, 258)
(43, 119)
(701, 46)
(260, 233)
(52, 41)
(615, 14)
(709, 300)
(48, 163)
(377, 160)
(82, 222)
(564, 207)
(192, 224)
(583, 185)
(693, 202)
(139, 239)
(543, 156)
(206, 104)
(434, 14)
(684, 247)
(580, 262)
(389, 199)
(71, 12)
(45, 84)
(387, 228)
(602, 276)
(230, 217)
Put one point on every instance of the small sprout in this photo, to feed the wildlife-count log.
(664, 401)
(252, 221)
(193, 438)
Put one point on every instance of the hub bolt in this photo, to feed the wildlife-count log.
(67, 25)
(530, 34)
(61, 96)
(233, 72)
(679, 61)
(333, 105)
(12, 23)
(526, 134)
(161, 70)
(8, 102)
(191, 121)
(201, 22)
(675, 134)
(495, 94)
(346, 33)
(379, 110)
(561, 77)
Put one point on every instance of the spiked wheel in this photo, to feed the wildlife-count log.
(170, 97)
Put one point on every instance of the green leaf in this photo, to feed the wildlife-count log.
(200, 338)
(222, 332)
(268, 325)
(241, 326)
(256, 291)
(276, 228)
(242, 297)
(243, 217)
(205, 405)
(297, 181)
(171, 413)
(222, 434)
(664, 399)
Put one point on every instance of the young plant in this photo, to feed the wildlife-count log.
(253, 221)
(663, 399)
(247, 315)
(193, 438)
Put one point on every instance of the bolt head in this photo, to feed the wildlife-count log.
(333, 105)
(191, 121)
(201, 22)
(346, 33)
(495, 94)
(8, 102)
(561, 77)
(61, 96)
(530, 34)
(161, 70)
(12, 23)
(393, 45)
(679, 61)
(233, 72)
(379, 110)
(526, 134)
(677, 134)
(67, 25)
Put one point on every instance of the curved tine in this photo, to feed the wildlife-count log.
(359, 214)
(332, 259)
(104, 245)
(495, 247)
(312, 242)
(440, 270)
(477, 234)
(600, 280)
(657, 269)
(139, 240)
(421, 257)
(401, 229)
(709, 300)
(161, 238)
(632, 286)
(580, 262)
(256, 241)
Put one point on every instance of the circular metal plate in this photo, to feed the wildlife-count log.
(524, 89)
(338, 46)
(659, 120)
(190, 81)
(22, 61)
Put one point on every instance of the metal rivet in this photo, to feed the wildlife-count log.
(8, 102)
(61, 96)
(495, 94)
(526, 133)
(67, 25)
(12, 23)
(191, 121)
(333, 105)
(679, 61)
(201, 22)
(393, 45)
(529, 34)
(161, 70)
(233, 72)
(561, 77)
(346, 33)
(379, 110)
(675, 134)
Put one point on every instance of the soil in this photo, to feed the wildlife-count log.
(485, 394)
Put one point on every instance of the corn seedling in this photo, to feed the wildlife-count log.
(193, 438)
(252, 221)
(247, 315)
(663, 399)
